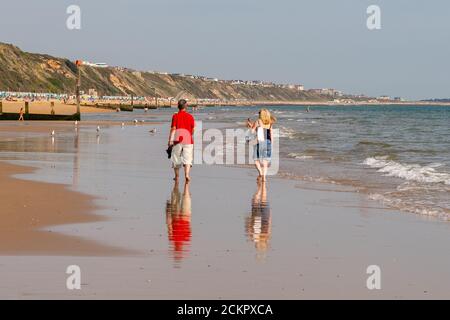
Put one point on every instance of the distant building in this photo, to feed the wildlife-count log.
(95, 65)
(93, 93)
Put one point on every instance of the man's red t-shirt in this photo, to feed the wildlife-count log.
(185, 124)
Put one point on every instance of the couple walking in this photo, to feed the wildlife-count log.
(181, 142)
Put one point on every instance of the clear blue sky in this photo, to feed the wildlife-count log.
(320, 43)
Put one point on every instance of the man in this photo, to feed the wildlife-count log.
(181, 140)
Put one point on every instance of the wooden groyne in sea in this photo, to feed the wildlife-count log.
(40, 117)
(27, 116)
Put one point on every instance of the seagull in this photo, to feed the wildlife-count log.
(153, 131)
(123, 124)
(53, 133)
(136, 121)
(146, 109)
(98, 130)
(142, 121)
(76, 123)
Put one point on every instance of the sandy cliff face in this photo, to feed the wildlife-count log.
(22, 71)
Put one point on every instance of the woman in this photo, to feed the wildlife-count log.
(263, 150)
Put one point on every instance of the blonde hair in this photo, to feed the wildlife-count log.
(266, 117)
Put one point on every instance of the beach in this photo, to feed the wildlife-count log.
(117, 198)
(30, 207)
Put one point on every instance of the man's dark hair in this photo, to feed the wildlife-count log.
(182, 104)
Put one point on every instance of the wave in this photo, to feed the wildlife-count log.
(411, 206)
(374, 143)
(287, 133)
(411, 172)
(299, 156)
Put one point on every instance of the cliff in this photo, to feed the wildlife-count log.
(30, 72)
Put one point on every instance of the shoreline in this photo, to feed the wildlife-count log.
(43, 107)
(325, 103)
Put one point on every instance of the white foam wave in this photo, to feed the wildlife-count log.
(299, 156)
(409, 206)
(412, 172)
(287, 133)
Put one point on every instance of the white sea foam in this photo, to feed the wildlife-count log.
(287, 133)
(412, 172)
(299, 156)
(408, 206)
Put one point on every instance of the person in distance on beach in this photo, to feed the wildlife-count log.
(181, 140)
(21, 115)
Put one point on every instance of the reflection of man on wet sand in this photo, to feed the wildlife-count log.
(178, 219)
(258, 224)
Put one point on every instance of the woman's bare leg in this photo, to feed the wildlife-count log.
(258, 167)
(264, 169)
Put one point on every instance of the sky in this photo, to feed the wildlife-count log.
(318, 43)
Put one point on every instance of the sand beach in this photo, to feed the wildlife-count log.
(108, 204)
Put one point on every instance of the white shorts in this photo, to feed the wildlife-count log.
(182, 154)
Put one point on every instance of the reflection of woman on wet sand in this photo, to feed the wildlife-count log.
(258, 224)
(178, 219)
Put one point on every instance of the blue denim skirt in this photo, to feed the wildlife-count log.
(263, 151)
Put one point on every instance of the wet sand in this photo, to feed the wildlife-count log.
(29, 208)
(224, 237)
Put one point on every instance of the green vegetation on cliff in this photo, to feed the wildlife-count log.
(22, 71)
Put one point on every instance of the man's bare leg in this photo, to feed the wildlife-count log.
(187, 171)
(177, 173)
